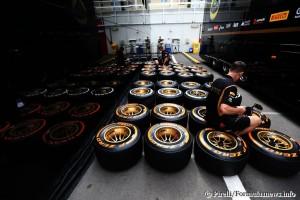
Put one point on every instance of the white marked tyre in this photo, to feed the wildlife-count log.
(142, 95)
(195, 98)
(168, 146)
(197, 120)
(166, 84)
(169, 112)
(189, 85)
(169, 95)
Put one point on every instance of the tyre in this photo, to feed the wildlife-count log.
(188, 85)
(118, 146)
(64, 136)
(148, 75)
(4, 126)
(204, 77)
(116, 84)
(34, 95)
(168, 146)
(86, 112)
(169, 112)
(22, 140)
(54, 112)
(149, 69)
(185, 76)
(197, 120)
(134, 113)
(103, 95)
(166, 75)
(195, 98)
(59, 94)
(206, 86)
(142, 95)
(169, 95)
(220, 152)
(234, 100)
(273, 152)
(143, 83)
(265, 121)
(196, 70)
(166, 84)
(79, 94)
(32, 110)
(165, 68)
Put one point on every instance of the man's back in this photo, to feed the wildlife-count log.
(220, 89)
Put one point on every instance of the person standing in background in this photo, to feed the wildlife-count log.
(120, 57)
(148, 46)
(159, 45)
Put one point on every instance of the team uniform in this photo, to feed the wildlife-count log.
(222, 91)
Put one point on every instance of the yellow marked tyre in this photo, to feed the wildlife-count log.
(220, 152)
(118, 145)
(274, 152)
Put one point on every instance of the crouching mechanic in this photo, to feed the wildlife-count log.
(220, 113)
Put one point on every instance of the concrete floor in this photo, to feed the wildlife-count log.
(191, 183)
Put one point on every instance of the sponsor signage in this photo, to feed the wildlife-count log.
(228, 25)
(297, 13)
(245, 23)
(279, 16)
(221, 27)
(210, 29)
(259, 20)
(235, 24)
(214, 8)
(216, 27)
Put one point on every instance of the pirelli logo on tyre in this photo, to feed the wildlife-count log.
(279, 16)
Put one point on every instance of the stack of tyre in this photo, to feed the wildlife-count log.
(55, 119)
(166, 111)
(156, 113)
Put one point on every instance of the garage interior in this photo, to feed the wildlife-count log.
(64, 79)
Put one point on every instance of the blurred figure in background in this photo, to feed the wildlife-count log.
(148, 46)
(120, 58)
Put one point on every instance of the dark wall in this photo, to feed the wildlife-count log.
(45, 39)
(50, 36)
(246, 30)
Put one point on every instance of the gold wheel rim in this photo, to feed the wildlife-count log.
(198, 93)
(169, 91)
(168, 135)
(222, 140)
(141, 91)
(190, 84)
(166, 83)
(274, 140)
(117, 134)
(131, 110)
(169, 110)
(143, 83)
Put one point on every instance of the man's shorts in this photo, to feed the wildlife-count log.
(236, 123)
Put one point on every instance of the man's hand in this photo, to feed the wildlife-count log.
(226, 109)
(248, 111)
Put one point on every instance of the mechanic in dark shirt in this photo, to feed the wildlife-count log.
(220, 114)
(120, 57)
(165, 57)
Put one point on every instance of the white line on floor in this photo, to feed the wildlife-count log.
(234, 184)
(271, 113)
(173, 59)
